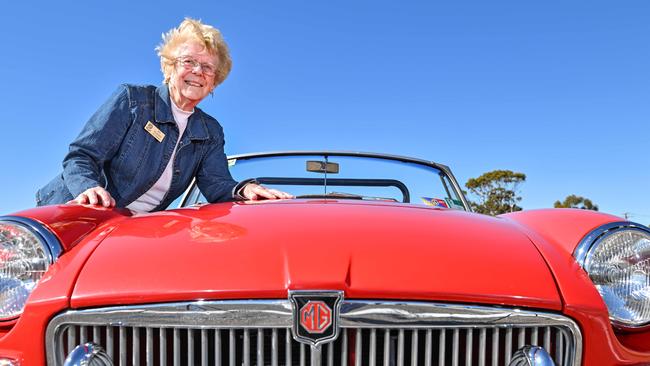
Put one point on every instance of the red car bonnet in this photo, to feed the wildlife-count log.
(369, 250)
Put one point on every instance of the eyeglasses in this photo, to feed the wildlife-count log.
(189, 63)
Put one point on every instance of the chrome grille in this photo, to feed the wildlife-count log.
(258, 333)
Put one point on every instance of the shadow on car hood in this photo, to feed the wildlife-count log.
(369, 250)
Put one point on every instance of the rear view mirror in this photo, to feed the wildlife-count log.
(322, 167)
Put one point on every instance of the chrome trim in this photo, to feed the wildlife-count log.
(52, 245)
(597, 234)
(531, 356)
(369, 314)
(344, 352)
(357, 348)
(406, 159)
(455, 346)
(197, 315)
(88, 354)
(482, 339)
(428, 346)
(355, 314)
(287, 346)
(316, 355)
(442, 340)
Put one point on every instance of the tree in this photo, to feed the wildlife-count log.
(497, 191)
(573, 201)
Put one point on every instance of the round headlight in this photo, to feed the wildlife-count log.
(618, 262)
(25, 255)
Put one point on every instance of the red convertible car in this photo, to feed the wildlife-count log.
(378, 261)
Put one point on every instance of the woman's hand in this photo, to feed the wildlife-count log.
(95, 196)
(257, 192)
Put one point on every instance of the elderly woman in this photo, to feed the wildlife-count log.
(143, 146)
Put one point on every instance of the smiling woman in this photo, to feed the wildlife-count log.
(142, 148)
(190, 46)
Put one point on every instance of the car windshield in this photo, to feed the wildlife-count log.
(347, 176)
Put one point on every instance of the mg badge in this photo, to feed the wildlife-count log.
(315, 316)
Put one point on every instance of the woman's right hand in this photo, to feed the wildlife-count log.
(95, 196)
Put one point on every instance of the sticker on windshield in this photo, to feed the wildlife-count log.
(232, 162)
(455, 204)
(435, 202)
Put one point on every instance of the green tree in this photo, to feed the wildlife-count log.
(573, 201)
(496, 191)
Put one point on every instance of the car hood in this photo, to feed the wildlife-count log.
(369, 250)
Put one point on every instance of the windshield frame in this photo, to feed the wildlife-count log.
(328, 153)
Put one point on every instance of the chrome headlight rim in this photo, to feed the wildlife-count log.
(591, 241)
(596, 236)
(52, 245)
(49, 242)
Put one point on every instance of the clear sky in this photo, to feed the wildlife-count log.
(557, 90)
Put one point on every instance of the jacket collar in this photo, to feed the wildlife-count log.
(196, 127)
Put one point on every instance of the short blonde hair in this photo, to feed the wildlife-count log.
(194, 30)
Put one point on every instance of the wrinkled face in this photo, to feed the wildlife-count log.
(188, 83)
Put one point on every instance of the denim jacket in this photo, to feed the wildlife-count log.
(115, 151)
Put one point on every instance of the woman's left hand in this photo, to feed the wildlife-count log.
(257, 192)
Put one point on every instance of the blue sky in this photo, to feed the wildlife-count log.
(557, 90)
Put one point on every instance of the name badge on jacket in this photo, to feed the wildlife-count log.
(154, 131)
